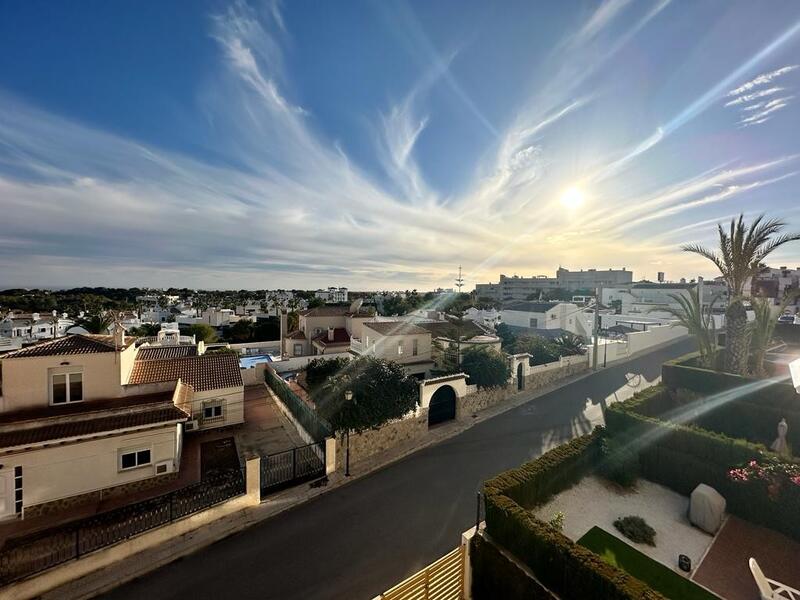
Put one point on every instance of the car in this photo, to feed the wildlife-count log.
(786, 319)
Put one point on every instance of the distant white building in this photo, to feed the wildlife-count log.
(547, 316)
(647, 298)
(332, 295)
(487, 317)
(34, 327)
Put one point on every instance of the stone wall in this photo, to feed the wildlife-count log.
(547, 377)
(47, 508)
(373, 441)
(478, 399)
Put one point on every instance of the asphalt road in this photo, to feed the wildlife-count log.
(358, 540)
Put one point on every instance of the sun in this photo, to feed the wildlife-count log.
(572, 197)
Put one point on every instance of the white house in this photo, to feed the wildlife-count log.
(646, 298)
(547, 316)
(332, 295)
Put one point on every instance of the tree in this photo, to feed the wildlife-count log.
(97, 323)
(699, 323)
(381, 392)
(542, 350)
(739, 257)
(316, 302)
(485, 367)
(146, 330)
(508, 338)
(569, 344)
(240, 332)
(319, 370)
(204, 332)
(763, 327)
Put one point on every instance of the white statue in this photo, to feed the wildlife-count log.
(779, 446)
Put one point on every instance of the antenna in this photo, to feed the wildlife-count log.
(459, 280)
(355, 306)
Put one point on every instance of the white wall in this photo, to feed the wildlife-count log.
(642, 340)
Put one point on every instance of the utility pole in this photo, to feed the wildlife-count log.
(596, 332)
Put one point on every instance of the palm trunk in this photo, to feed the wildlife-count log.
(736, 338)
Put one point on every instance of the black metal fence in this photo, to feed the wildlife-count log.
(285, 469)
(317, 427)
(27, 555)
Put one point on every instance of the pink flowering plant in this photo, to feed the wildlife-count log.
(774, 473)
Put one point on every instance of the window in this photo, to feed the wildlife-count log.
(399, 348)
(133, 459)
(534, 323)
(552, 316)
(414, 347)
(212, 411)
(66, 387)
(298, 349)
(18, 490)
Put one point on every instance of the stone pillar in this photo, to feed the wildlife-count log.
(253, 479)
(330, 455)
(466, 541)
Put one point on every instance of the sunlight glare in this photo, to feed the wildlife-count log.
(573, 197)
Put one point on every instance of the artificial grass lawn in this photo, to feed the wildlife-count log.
(659, 577)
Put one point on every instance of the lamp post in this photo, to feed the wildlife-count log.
(348, 396)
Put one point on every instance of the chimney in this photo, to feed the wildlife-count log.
(330, 334)
(119, 335)
(201, 348)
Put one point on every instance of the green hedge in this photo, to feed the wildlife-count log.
(566, 568)
(681, 457)
(495, 576)
(317, 427)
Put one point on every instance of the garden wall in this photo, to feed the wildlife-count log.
(374, 441)
(495, 575)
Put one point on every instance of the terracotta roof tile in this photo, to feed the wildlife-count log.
(71, 344)
(161, 352)
(395, 328)
(207, 372)
(340, 337)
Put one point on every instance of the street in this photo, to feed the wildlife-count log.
(358, 540)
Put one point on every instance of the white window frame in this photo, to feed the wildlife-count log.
(135, 451)
(66, 373)
(400, 348)
(213, 405)
(533, 323)
(297, 350)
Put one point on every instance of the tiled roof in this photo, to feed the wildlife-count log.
(163, 412)
(161, 352)
(340, 337)
(71, 344)
(207, 372)
(296, 335)
(443, 329)
(335, 311)
(535, 307)
(395, 328)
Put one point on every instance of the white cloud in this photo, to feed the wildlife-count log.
(755, 95)
(762, 79)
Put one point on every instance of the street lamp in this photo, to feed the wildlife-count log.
(348, 396)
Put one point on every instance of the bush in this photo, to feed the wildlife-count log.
(557, 521)
(485, 368)
(618, 463)
(542, 350)
(636, 529)
(319, 370)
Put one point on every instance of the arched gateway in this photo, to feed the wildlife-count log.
(443, 405)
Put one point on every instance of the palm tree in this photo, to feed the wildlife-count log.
(569, 344)
(700, 324)
(98, 323)
(740, 256)
(762, 328)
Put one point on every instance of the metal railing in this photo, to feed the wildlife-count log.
(317, 427)
(30, 554)
(295, 466)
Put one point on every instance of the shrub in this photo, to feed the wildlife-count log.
(618, 463)
(557, 521)
(319, 370)
(636, 529)
(485, 368)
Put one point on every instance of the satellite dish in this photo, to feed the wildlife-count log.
(356, 305)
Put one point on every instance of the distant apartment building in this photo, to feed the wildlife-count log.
(332, 295)
(34, 327)
(647, 298)
(85, 416)
(521, 288)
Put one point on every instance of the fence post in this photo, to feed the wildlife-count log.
(253, 479)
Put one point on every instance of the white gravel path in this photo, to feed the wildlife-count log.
(594, 502)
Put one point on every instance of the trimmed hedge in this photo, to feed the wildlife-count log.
(495, 576)
(681, 457)
(566, 568)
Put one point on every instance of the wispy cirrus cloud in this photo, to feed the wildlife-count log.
(762, 79)
(758, 111)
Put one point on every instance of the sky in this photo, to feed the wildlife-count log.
(381, 144)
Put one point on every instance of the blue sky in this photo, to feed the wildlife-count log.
(381, 144)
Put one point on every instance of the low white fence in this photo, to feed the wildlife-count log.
(298, 362)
